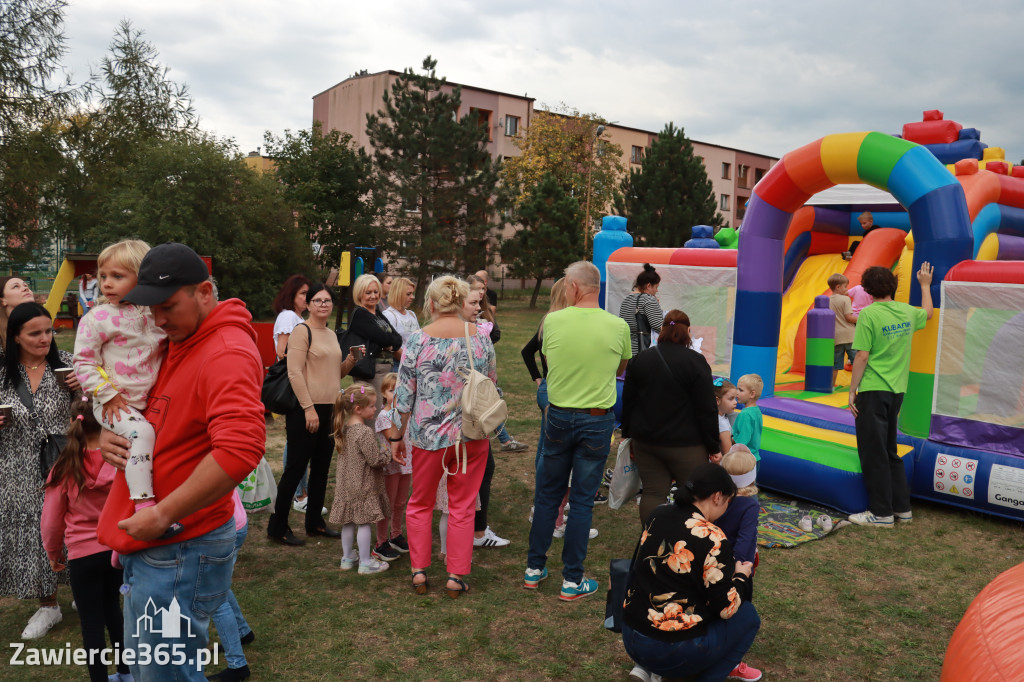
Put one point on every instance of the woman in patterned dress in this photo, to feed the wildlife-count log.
(428, 395)
(31, 357)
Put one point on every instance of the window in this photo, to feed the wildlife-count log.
(726, 168)
(723, 202)
(758, 174)
(741, 175)
(636, 155)
(511, 126)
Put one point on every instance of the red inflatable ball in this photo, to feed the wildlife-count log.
(988, 644)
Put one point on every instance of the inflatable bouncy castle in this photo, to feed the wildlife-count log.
(937, 194)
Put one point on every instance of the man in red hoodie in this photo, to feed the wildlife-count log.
(210, 433)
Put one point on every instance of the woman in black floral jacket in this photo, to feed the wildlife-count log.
(687, 610)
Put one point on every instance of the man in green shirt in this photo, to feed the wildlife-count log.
(880, 372)
(586, 348)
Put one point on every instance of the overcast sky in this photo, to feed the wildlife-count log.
(761, 76)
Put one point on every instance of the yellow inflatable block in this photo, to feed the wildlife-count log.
(60, 285)
(989, 248)
(839, 156)
(922, 352)
(904, 275)
(838, 437)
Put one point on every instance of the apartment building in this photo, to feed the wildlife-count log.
(733, 172)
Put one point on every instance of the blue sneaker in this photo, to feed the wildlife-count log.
(574, 591)
(533, 576)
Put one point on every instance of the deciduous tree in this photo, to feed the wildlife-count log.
(669, 194)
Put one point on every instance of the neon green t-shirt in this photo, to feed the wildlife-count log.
(884, 330)
(584, 347)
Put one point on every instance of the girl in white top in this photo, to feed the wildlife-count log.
(725, 395)
(118, 352)
(399, 314)
(289, 304)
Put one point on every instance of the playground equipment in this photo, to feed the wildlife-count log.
(962, 423)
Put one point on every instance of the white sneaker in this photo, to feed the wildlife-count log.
(866, 518)
(638, 674)
(300, 505)
(490, 540)
(373, 566)
(348, 564)
(560, 532)
(42, 621)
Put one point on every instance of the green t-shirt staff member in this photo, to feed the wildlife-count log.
(880, 372)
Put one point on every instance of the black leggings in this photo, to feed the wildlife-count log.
(95, 586)
(480, 520)
(305, 448)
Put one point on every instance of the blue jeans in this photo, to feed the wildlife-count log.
(542, 403)
(575, 443)
(228, 619)
(503, 435)
(708, 658)
(176, 586)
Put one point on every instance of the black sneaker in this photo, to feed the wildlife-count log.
(600, 498)
(384, 552)
(606, 480)
(399, 544)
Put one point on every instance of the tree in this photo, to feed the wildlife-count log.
(549, 239)
(669, 194)
(196, 190)
(329, 183)
(436, 179)
(567, 145)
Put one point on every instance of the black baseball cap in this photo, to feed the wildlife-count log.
(164, 270)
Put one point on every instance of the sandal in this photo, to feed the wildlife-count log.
(455, 594)
(420, 588)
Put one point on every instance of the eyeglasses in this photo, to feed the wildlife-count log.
(321, 301)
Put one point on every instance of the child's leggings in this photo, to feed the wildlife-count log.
(138, 471)
(360, 535)
(94, 585)
(398, 486)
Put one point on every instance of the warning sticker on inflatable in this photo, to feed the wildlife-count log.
(1006, 486)
(955, 476)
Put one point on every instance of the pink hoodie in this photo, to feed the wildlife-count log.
(70, 515)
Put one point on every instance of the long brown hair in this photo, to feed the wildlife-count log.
(486, 311)
(359, 394)
(68, 467)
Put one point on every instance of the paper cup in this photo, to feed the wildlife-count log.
(64, 375)
(6, 411)
(358, 352)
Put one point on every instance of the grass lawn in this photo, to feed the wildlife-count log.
(861, 604)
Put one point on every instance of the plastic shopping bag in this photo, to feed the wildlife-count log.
(625, 479)
(258, 490)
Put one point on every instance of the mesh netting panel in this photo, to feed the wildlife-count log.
(980, 372)
(707, 295)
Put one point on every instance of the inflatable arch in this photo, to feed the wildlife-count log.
(940, 226)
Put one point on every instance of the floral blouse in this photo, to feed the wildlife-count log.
(430, 388)
(682, 576)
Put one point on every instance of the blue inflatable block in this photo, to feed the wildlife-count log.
(942, 235)
(1011, 220)
(988, 477)
(757, 318)
(955, 151)
(818, 379)
(916, 174)
(970, 134)
(760, 360)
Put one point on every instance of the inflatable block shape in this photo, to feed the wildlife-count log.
(839, 156)
(1017, 172)
(955, 151)
(823, 242)
(989, 249)
(922, 356)
(915, 415)
(916, 174)
(820, 353)
(933, 115)
(970, 134)
(821, 322)
(818, 378)
(779, 190)
(757, 318)
(759, 264)
(705, 243)
(1009, 247)
(805, 168)
(764, 220)
(878, 156)
(727, 238)
(932, 132)
(994, 154)
(966, 166)
(759, 360)
(1000, 167)
(1011, 189)
(988, 644)
(613, 223)
(702, 231)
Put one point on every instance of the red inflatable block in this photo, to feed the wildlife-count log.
(1011, 191)
(824, 242)
(966, 167)
(933, 115)
(1017, 172)
(999, 167)
(932, 132)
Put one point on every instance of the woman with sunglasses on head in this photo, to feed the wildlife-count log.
(315, 369)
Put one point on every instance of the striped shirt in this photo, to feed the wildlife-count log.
(647, 306)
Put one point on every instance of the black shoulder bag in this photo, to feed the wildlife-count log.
(277, 394)
(52, 443)
(643, 328)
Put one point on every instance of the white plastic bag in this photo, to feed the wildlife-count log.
(625, 479)
(258, 490)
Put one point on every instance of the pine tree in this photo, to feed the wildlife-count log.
(434, 175)
(669, 194)
(550, 237)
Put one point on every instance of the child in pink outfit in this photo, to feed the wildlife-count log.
(118, 352)
(861, 298)
(76, 491)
